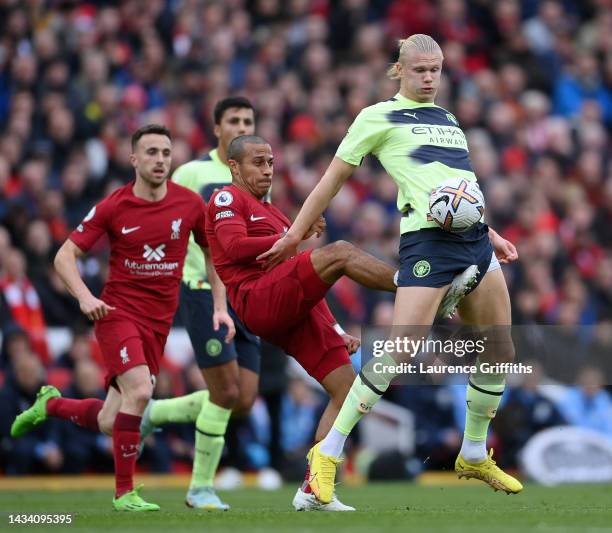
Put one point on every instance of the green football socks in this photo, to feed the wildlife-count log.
(367, 389)
(211, 425)
(484, 392)
(182, 410)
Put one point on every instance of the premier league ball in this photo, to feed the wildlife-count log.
(456, 205)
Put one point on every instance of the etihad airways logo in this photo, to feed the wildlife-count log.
(154, 254)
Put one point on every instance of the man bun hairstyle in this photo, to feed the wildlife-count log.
(235, 150)
(419, 42)
(156, 129)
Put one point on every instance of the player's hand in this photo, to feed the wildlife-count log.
(94, 308)
(223, 318)
(281, 250)
(352, 343)
(318, 227)
(504, 249)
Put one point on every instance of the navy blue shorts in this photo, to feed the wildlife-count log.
(196, 309)
(432, 257)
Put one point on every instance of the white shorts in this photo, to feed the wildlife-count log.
(494, 264)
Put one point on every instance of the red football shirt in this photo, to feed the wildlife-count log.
(239, 227)
(148, 243)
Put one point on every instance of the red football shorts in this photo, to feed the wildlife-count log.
(125, 344)
(284, 308)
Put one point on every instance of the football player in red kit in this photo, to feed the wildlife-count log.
(286, 305)
(148, 223)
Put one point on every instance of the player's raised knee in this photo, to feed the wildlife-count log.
(339, 252)
(341, 248)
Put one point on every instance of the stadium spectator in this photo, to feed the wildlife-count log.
(23, 301)
(40, 451)
(588, 404)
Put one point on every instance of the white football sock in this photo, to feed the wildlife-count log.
(474, 451)
(333, 443)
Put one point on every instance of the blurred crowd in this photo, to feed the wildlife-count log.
(530, 82)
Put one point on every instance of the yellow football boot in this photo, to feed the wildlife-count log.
(322, 474)
(488, 472)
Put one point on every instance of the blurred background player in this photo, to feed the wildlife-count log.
(148, 223)
(231, 371)
(420, 145)
(286, 305)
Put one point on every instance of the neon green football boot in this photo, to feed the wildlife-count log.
(488, 472)
(36, 414)
(132, 502)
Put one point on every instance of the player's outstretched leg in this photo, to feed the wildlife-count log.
(36, 414)
(341, 258)
(181, 410)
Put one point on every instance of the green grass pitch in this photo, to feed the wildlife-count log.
(382, 508)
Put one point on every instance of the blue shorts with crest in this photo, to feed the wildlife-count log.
(432, 257)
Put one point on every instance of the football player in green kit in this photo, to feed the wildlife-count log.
(420, 145)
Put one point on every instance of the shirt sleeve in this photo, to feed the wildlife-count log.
(225, 215)
(95, 224)
(361, 139)
(238, 247)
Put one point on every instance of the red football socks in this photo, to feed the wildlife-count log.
(126, 443)
(83, 413)
(306, 484)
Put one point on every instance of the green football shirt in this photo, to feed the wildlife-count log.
(419, 144)
(203, 176)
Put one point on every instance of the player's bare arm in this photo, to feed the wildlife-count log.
(505, 251)
(66, 266)
(318, 200)
(220, 314)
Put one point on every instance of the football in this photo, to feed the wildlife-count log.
(456, 205)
